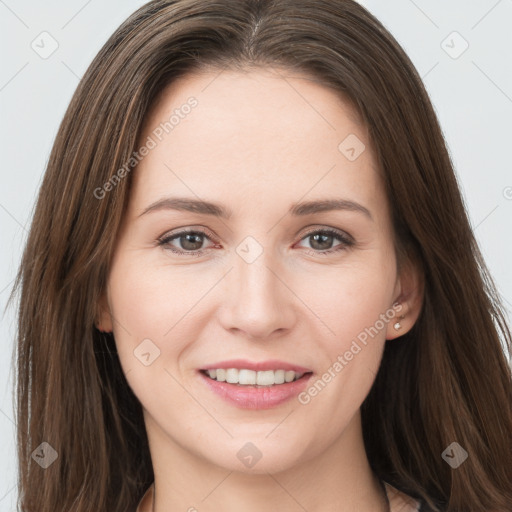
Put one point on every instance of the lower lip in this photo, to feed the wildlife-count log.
(252, 397)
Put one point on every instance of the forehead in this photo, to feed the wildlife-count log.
(258, 134)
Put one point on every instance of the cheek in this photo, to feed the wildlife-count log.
(147, 299)
(140, 303)
(158, 313)
(349, 300)
(148, 333)
(137, 302)
(354, 352)
(355, 312)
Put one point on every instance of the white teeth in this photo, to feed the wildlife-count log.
(265, 378)
(279, 376)
(232, 375)
(247, 377)
(250, 377)
(288, 376)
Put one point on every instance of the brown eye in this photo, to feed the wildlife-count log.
(321, 241)
(190, 242)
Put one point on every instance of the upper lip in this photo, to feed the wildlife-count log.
(269, 364)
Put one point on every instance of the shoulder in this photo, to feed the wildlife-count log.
(401, 502)
(145, 501)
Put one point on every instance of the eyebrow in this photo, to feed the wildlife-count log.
(217, 210)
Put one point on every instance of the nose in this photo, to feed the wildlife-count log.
(257, 301)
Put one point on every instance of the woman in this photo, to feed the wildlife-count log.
(180, 348)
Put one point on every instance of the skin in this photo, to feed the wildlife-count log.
(257, 142)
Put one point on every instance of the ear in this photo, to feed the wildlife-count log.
(409, 291)
(103, 316)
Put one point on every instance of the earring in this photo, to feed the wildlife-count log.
(398, 325)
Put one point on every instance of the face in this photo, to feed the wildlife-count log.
(271, 279)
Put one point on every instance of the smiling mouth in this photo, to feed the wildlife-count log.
(252, 379)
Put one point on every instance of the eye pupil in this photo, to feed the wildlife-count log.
(323, 237)
(192, 238)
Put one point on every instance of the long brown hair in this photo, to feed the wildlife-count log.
(446, 380)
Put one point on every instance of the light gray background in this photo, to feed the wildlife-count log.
(472, 95)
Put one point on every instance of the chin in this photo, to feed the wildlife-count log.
(256, 455)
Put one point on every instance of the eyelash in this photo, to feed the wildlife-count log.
(346, 241)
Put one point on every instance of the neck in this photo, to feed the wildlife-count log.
(338, 479)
